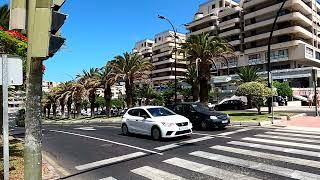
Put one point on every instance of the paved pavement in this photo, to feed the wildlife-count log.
(100, 152)
(306, 122)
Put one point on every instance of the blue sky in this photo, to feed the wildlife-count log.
(99, 30)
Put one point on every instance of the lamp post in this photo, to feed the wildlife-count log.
(269, 55)
(175, 59)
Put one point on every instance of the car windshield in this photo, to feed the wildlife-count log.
(200, 107)
(158, 112)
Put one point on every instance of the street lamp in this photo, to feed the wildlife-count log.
(175, 59)
(269, 55)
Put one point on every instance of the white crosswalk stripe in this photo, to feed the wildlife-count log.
(286, 172)
(155, 174)
(109, 178)
(288, 138)
(284, 143)
(303, 162)
(207, 170)
(276, 148)
(297, 131)
(293, 135)
(233, 132)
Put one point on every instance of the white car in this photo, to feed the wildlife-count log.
(155, 121)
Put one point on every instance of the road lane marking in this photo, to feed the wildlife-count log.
(86, 128)
(298, 161)
(202, 134)
(293, 135)
(105, 140)
(174, 145)
(288, 138)
(116, 127)
(109, 161)
(284, 143)
(156, 174)
(276, 148)
(207, 170)
(233, 132)
(299, 132)
(286, 172)
(109, 178)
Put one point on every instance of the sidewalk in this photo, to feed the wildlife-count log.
(307, 123)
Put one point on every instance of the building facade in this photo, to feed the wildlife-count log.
(47, 85)
(246, 26)
(161, 53)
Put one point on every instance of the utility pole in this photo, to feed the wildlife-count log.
(43, 23)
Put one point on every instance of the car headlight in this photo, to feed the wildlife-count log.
(213, 117)
(166, 124)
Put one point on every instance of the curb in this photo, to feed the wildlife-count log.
(258, 123)
(297, 116)
(115, 120)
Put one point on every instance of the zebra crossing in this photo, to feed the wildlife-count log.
(280, 153)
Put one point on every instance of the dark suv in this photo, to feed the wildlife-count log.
(201, 116)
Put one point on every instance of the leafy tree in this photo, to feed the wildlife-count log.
(248, 74)
(257, 91)
(283, 89)
(118, 103)
(186, 93)
(146, 92)
(168, 93)
(206, 50)
(192, 79)
(107, 78)
(100, 102)
(4, 16)
(131, 67)
(90, 81)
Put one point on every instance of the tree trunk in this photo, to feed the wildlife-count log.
(129, 93)
(62, 106)
(1, 109)
(49, 108)
(92, 100)
(249, 99)
(195, 92)
(259, 110)
(204, 72)
(54, 110)
(69, 109)
(107, 98)
(44, 111)
(78, 109)
(33, 134)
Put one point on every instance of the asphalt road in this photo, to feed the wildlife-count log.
(100, 151)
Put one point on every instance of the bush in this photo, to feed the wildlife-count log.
(283, 89)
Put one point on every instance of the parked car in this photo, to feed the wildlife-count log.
(201, 116)
(230, 105)
(155, 121)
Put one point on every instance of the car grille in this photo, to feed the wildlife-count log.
(182, 124)
(183, 132)
(223, 117)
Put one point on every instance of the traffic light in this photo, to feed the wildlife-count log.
(46, 39)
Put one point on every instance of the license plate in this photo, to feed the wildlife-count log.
(183, 128)
(224, 122)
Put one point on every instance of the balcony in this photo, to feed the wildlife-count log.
(169, 70)
(285, 18)
(249, 4)
(229, 23)
(298, 4)
(231, 32)
(166, 78)
(205, 30)
(255, 61)
(290, 30)
(234, 43)
(205, 19)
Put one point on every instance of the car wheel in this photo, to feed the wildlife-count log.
(221, 127)
(125, 130)
(156, 133)
(204, 125)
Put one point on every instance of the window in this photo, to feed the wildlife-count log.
(213, 6)
(309, 52)
(133, 112)
(158, 112)
(318, 55)
(220, 3)
(143, 113)
(254, 56)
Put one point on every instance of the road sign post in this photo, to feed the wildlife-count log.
(5, 116)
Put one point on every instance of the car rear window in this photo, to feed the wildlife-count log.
(158, 112)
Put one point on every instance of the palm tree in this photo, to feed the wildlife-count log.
(107, 78)
(90, 81)
(147, 92)
(248, 74)
(51, 101)
(206, 50)
(192, 79)
(4, 16)
(78, 96)
(130, 67)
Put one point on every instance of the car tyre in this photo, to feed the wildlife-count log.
(156, 133)
(204, 125)
(125, 130)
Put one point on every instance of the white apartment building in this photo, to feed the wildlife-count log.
(160, 52)
(295, 44)
(117, 91)
(163, 58)
(47, 85)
